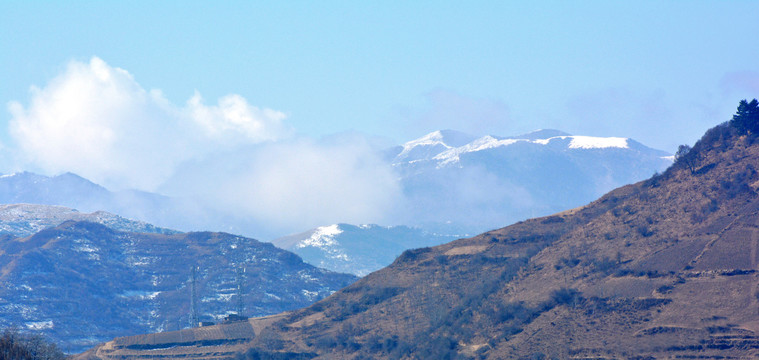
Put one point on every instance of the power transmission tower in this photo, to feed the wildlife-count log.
(240, 283)
(240, 276)
(194, 299)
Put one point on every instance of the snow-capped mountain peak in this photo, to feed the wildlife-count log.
(322, 236)
(486, 142)
(587, 142)
(431, 144)
(590, 142)
(435, 147)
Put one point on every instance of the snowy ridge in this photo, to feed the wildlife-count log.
(433, 138)
(27, 219)
(483, 143)
(426, 147)
(451, 155)
(323, 236)
(483, 182)
(590, 142)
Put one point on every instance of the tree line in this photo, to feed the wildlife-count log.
(18, 346)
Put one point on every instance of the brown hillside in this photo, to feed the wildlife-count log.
(665, 268)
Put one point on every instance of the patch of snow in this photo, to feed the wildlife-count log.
(26, 311)
(590, 142)
(486, 142)
(39, 325)
(273, 296)
(322, 237)
(428, 145)
(303, 275)
(433, 138)
(452, 155)
(140, 260)
(85, 246)
(311, 295)
(218, 297)
(139, 294)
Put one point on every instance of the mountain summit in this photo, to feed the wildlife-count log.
(664, 268)
(470, 184)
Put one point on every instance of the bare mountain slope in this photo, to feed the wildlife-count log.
(665, 268)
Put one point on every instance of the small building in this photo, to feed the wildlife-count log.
(234, 318)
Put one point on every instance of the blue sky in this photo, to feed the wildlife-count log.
(172, 96)
(659, 71)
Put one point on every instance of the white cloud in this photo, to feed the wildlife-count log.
(293, 185)
(233, 119)
(97, 121)
(239, 160)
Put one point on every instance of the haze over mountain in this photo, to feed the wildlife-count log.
(438, 177)
(457, 184)
(480, 183)
(664, 268)
(73, 191)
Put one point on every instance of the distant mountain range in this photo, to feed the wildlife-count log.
(661, 269)
(459, 184)
(470, 184)
(453, 183)
(82, 282)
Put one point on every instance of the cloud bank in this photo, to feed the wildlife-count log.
(95, 120)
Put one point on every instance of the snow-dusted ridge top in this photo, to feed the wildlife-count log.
(435, 147)
(322, 236)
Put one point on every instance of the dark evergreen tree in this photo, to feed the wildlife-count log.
(746, 119)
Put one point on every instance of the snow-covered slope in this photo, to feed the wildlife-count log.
(81, 283)
(357, 249)
(431, 144)
(22, 220)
